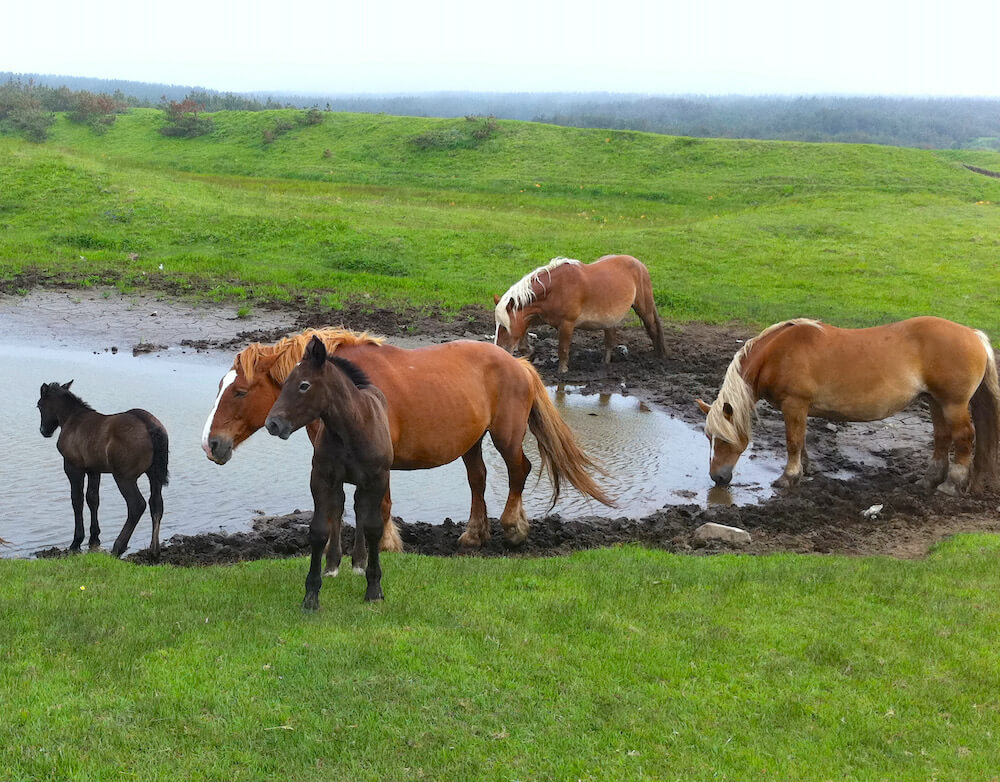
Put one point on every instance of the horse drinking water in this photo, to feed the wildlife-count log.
(568, 295)
(442, 400)
(354, 447)
(804, 367)
(124, 444)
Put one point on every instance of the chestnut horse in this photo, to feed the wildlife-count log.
(354, 447)
(568, 295)
(124, 444)
(442, 400)
(804, 367)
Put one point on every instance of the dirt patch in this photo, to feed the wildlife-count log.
(855, 465)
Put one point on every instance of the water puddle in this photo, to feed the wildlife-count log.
(652, 459)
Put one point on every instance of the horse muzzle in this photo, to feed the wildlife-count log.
(219, 449)
(279, 427)
(46, 432)
(723, 476)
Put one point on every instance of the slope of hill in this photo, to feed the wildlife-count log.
(419, 211)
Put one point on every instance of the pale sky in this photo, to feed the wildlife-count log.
(890, 47)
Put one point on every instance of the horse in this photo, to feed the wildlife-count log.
(442, 400)
(124, 444)
(568, 295)
(354, 447)
(804, 367)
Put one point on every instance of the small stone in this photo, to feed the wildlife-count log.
(713, 531)
(832, 428)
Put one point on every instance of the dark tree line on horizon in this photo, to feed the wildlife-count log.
(939, 123)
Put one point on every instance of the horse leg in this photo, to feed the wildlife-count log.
(136, 507)
(368, 515)
(963, 436)
(156, 514)
(334, 525)
(391, 541)
(645, 308)
(937, 469)
(610, 338)
(795, 412)
(327, 486)
(477, 531)
(93, 500)
(508, 439)
(75, 475)
(565, 335)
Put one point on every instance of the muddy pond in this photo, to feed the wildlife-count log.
(653, 459)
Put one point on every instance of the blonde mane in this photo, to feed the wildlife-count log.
(737, 391)
(522, 292)
(290, 349)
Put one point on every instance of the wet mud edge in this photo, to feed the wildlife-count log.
(822, 515)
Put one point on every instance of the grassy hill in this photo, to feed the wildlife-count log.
(421, 211)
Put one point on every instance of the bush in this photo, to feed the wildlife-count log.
(185, 119)
(22, 113)
(475, 131)
(99, 111)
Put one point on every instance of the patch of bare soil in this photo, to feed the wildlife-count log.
(855, 466)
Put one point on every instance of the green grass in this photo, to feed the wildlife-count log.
(615, 664)
(751, 231)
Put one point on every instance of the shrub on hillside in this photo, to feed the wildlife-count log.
(475, 131)
(99, 111)
(22, 113)
(185, 119)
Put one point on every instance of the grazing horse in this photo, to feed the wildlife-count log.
(804, 367)
(124, 444)
(567, 295)
(442, 400)
(354, 447)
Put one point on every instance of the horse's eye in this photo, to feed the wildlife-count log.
(239, 393)
(304, 386)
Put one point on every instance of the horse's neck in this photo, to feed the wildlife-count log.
(352, 414)
(72, 408)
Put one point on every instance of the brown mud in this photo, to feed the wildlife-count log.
(855, 466)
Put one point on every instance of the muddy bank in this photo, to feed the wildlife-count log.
(855, 465)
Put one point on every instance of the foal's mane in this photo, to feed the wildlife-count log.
(56, 387)
(354, 373)
(290, 349)
(737, 391)
(522, 292)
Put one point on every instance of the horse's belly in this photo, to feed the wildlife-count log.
(869, 404)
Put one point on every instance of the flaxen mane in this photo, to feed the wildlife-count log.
(737, 392)
(290, 349)
(522, 292)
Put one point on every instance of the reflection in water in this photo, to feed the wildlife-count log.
(652, 459)
(720, 495)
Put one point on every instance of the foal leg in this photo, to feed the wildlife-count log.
(937, 469)
(334, 524)
(477, 531)
(963, 436)
(367, 512)
(75, 475)
(565, 335)
(795, 414)
(610, 338)
(327, 485)
(156, 514)
(93, 500)
(136, 507)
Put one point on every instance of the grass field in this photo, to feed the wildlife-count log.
(732, 230)
(621, 664)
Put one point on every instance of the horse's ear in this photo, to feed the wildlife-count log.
(65, 386)
(496, 299)
(44, 392)
(704, 407)
(727, 411)
(316, 351)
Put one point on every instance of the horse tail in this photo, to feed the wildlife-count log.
(157, 471)
(985, 406)
(562, 456)
(654, 329)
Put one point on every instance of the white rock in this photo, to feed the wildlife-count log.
(713, 531)
(873, 511)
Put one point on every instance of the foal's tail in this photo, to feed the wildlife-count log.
(562, 456)
(161, 446)
(985, 406)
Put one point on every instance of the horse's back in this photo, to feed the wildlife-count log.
(607, 289)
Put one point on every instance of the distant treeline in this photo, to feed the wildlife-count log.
(940, 123)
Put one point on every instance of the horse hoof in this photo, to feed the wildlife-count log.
(374, 594)
(358, 571)
(470, 540)
(311, 602)
(331, 573)
(785, 482)
(948, 489)
(515, 537)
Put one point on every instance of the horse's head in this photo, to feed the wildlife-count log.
(512, 326)
(302, 398)
(48, 406)
(727, 440)
(240, 409)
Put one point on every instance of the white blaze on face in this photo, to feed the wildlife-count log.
(226, 382)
